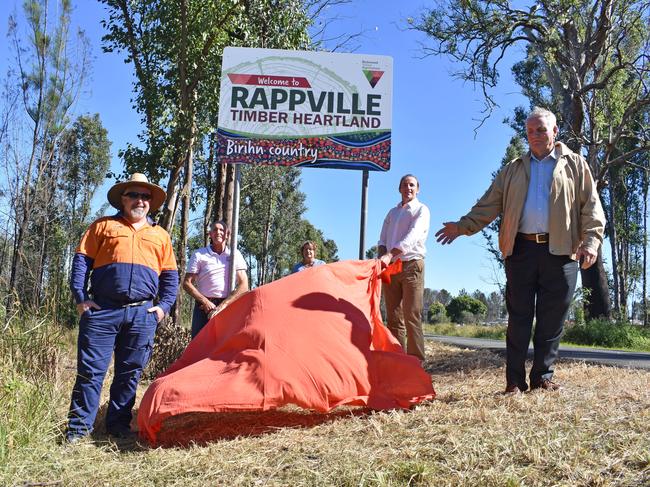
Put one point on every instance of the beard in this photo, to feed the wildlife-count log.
(137, 212)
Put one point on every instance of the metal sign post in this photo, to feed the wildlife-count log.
(234, 231)
(364, 214)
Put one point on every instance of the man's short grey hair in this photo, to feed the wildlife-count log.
(539, 112)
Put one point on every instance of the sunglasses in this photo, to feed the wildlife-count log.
(138, 196)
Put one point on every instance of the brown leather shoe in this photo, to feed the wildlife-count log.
(546, 384)
(512, 389)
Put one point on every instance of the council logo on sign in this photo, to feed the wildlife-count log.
(372, 76)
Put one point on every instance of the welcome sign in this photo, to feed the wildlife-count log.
(305, 109)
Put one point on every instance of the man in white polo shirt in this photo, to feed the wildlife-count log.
(403, 237)
(207, 278)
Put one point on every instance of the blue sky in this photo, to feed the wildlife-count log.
(434, 117)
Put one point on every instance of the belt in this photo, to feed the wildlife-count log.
(137, 303)
(540, 238)
(213, 300)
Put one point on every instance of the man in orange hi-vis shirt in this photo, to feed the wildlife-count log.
(133, 283)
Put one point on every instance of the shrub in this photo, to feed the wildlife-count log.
(467, 304)
(605, 333)
(171, 341)
(469, 318)
(437, 313)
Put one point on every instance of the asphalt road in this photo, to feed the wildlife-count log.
(617, 358)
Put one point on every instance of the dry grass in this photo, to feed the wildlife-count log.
(594, 432)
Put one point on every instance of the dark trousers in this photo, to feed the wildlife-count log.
(199, 318)
(404, 297)
(539, 285)
(129, 333)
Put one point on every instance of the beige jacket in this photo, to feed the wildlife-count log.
(576, 214)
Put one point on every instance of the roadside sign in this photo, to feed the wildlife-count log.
(305, 109)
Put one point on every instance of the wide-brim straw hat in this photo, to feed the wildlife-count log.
(158, 194)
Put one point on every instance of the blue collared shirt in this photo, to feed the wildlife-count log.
(534, 218)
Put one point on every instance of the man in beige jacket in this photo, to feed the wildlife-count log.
(551, 219)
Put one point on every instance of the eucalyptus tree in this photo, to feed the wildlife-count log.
(83, 154)
(624, 198)
(587, 60)
(175, 47)
(271, 212)
(49, 70)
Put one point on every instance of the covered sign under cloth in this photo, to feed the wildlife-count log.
(314, 339)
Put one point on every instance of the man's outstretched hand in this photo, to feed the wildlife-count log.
(448, 233)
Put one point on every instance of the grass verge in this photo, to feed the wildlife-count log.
(469, 331)
(605, 334)
(594, 432)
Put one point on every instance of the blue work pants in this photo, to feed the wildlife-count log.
(129, 333)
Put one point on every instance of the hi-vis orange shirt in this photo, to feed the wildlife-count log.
(127, 265)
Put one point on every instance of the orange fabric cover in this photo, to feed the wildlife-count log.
(314, 339)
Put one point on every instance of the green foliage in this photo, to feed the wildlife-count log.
(465, 308)
(577, 307)
(372, 252)
(587, 62)
(30, 365)
(469, 331)
(610, 334)
(272, 227)
(27, 417)
(47, 76)
(496, 306)
(444, 296)
(578, 313)
(85, 153)
(437, 313)
(176, 50)
(270, 220)
(84, 158)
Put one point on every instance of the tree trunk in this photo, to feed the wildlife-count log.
(220, 194)
(595, 280)
(230, 194)
(211, 187)
(5, 250)
(16, 257)
(185, 218)
(623, 269)
(264, 258)
(644, 301)
(613, 241)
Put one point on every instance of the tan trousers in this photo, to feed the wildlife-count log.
(403, 298)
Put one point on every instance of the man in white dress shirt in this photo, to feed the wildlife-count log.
(207, 278)
(403, 237)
